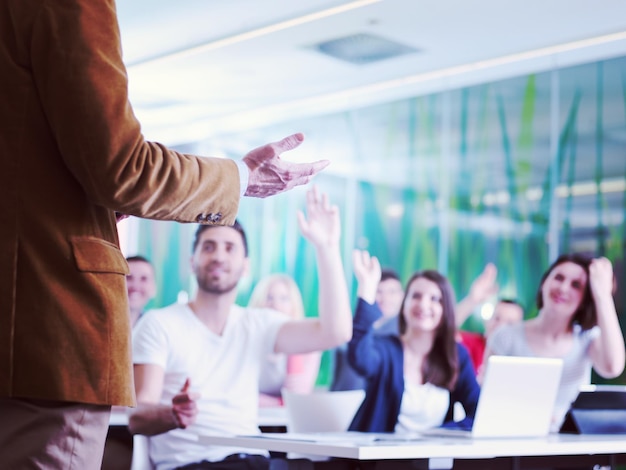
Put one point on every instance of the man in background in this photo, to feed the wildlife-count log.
(140, 285)
(141, 288)
(72, 156)
(505, 312)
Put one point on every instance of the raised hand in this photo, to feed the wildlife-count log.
(600, 277)
(184, 406)
(484, 286)
(270, 175)
(367, 272)
(321, 225)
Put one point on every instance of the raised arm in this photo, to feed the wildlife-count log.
(363, 355)
(483, 287)
(333, 326)
(367, 272)
(607, 351)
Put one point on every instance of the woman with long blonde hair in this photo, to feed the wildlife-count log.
(296, 373)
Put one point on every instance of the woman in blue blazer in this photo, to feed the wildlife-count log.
(413, 380)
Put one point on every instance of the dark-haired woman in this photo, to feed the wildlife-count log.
(413, 380)
(577, 322)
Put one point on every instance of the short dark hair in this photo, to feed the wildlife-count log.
(236, 226)
(510, 301)
(387, 274)
(138, 258)
(585, 315)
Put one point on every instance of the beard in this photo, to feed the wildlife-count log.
(213, 285)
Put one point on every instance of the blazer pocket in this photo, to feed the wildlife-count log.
(98, 256)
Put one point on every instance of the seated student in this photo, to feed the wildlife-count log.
(197, 365)
(413, 380)
(141, 288)
(296, 372)
(505, 312)
(389, 295)
(140, 285)
(577, 322)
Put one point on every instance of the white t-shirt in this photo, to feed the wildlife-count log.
(223, 369)
(422, 407)
(510, 340)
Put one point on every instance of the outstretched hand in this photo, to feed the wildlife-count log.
(184, 406)
(367, 272)
(321, 225)
(270, 175)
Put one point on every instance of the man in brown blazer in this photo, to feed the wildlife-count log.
(72, 156)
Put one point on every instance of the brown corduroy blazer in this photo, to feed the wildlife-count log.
(72, 153)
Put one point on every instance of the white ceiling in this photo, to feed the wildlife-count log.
(202, 67)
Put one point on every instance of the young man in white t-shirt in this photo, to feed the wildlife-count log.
(197, 365)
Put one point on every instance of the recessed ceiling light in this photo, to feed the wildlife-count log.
(363, 48)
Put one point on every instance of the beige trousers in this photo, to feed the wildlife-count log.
(39, 434)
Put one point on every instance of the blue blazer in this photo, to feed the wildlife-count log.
(381, 360)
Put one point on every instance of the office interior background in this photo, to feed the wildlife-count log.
(459, 133)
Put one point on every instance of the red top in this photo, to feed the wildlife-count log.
(475, 344)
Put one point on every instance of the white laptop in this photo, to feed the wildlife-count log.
(321, 411)
(516, 400)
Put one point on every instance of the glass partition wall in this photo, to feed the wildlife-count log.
(512, 172)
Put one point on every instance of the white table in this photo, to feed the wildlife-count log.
(436, 452)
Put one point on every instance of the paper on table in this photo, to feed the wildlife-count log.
(346, 436)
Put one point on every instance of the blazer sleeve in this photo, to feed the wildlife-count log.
(467, 389)
(363, 354)
(76, 60)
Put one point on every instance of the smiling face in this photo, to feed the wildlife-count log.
(219, 260)
(423, 307)
(279, 298)
(563, 289)
(140, 285)
(504, 313)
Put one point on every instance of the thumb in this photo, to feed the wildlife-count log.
(186, 386)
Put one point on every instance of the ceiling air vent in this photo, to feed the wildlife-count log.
(363, 48)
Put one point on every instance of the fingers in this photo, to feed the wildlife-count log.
(366, 265)
(490, 271)
(302, 170)
(601, 278)
(362, 259)
(318, 202)
(270, 175)
(300, 174)
(184, 406)
(302, 223)
(288, 143)
(185, 396)
(367, 273)
(601, 266)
